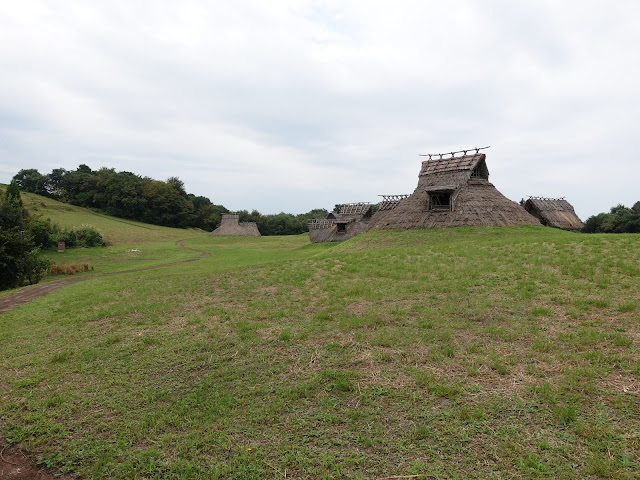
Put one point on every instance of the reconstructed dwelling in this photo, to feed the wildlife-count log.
(231, 225)
(352, 220)
(554, 212)
(452, 192)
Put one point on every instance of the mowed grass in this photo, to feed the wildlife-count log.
(453, 353)
(131, 244)
(114, 230)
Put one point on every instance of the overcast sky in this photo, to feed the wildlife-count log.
(289, 105)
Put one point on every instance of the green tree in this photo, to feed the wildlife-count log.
(620, 219)
(30, 180)
(19, 260)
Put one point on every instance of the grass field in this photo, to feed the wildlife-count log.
(131, 244)
(454, 353)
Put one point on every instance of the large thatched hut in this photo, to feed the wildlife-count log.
(452, 192)
(231, 226)
(554, 212)
(353, 219)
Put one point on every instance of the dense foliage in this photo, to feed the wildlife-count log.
(127, 195)
(282, 223)
(620, 219)
(19, 260)
(124, 195)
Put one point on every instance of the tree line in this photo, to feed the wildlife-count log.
(620, 219)
(130, 196)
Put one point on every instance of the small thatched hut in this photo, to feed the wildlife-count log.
(554, 212)
(353, 219)
(453, 192)
(231, 226)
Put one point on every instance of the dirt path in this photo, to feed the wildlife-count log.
(13, 300)
(15, 464)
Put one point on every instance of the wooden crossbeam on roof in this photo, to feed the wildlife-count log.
(533, 197)
(390, 202)
(453, 154)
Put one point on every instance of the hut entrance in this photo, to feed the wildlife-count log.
(342, 227)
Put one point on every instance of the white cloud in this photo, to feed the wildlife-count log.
(291, 105)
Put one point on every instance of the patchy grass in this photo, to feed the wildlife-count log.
(455, 353)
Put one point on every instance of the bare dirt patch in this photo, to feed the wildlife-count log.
(16, 464)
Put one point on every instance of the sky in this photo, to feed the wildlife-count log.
(290, 105)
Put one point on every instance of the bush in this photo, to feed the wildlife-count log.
(71, 269)
(89, 237)
(83, 237)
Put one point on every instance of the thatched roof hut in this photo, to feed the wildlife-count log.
(453, 192)
(231, 226)
(554, 212)
(353, 219)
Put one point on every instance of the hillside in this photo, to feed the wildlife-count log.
(116, 231)
(452, 353)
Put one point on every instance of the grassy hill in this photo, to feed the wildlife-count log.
(455, 353)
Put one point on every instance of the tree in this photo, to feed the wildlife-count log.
(30, 180)
(620, 219)
(19, 260)
(12, 195)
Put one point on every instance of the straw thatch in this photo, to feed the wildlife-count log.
(554, 212)
(231, 226)
(453, 192)
(353, 219)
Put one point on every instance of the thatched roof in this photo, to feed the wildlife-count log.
(231, 226)
(466, 162)
(389, 202)
(554, 212)
(359, 209)
(454, 192)
(352, 220)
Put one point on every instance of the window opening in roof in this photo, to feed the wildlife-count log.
(440, 201)
(342, 227)
(480, 171)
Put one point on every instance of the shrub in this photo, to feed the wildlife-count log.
(86, 236)
(70, 269)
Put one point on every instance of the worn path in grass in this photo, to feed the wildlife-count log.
(14, 463)
(13, 300)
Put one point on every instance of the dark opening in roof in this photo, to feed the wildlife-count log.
(440, 200)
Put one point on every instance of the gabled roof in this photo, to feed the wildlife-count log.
(473, 200)
(355, 208)
(543, 204)
(554, 212)
(466, 162)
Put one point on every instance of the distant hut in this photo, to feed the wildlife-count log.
(353, 219)
(554, 212)
(452, 192)
(231, 226)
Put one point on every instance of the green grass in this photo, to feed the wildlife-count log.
(127, 233)
(455, 353)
